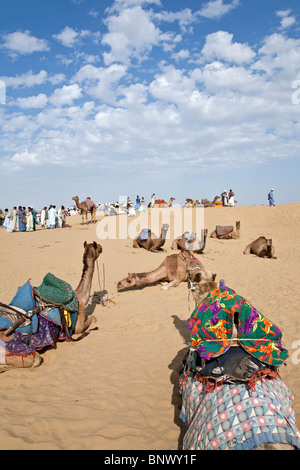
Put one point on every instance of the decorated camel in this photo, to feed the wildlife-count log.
(84, 207)
(148, 240)
(190, 241)
(38, 317)
(162, 203)
(208, 203)
(233, 397)
(174, 269)
(227, 232)
(261, 247)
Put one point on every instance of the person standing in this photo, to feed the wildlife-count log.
(52, 216)
(30, 220)
(271, 198)
(224, 197)
(22, 219)
(231, 198)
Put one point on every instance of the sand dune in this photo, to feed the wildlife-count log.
(117, 388)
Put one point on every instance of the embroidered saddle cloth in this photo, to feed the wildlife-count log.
(211, 326)
(221, 230)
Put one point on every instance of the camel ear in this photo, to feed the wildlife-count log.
(214, 277)
(85, 243)
(95, 245)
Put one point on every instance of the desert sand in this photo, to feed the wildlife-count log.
(117, 389)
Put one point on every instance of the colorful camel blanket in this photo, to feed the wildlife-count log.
(221, 230)
(234, 417)
(211, 326)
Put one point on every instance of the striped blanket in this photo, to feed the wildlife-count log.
(236, 417)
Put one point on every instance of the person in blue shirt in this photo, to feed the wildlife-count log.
(271, 198)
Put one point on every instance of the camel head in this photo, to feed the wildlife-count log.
(269, 242)
(165, 228)
(129, 281)
(75, 198)
(201, 278)
(203, 289)
(91, 251)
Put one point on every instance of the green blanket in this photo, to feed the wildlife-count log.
(58, 292)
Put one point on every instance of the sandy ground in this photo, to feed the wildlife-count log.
(118, 387)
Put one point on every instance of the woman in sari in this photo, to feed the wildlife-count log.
(21, 214)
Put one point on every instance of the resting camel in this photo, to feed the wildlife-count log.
(91, 252)
(151, 242)
(234, 400)
(174, 269)
(83, 207)
(261, 247)
(191, 244)
(227, 232)
(208, 203)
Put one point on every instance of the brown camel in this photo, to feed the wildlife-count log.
(91, 252)
(261, 247)
(83, 207)
(208, 203)
(227, 232)
(191, 244)
(151, 242)
(174, 269)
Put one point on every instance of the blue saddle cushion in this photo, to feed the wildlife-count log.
(23, 299)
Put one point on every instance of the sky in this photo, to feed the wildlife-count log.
(183, 99)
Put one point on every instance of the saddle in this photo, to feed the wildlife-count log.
(222, 231)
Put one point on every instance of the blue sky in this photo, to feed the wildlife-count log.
(127, 97)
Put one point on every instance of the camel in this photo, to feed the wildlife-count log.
(189, 202)
(163, 203)
(91, 252)
(151, 242)
(261, 247)
(83, 207)
(208, 203)
(175, 269)
(227, 233)
(217, 390)
(190, 243)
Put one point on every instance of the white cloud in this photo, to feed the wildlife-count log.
(30, 79)
(219, 46)
(131, 35)
(68, 36)
(25, 158)
(24, 43)
(39, 101)
(217, 8)
(286, 19)
(65, 95)
(100, 82)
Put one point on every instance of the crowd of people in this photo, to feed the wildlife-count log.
(25, 220)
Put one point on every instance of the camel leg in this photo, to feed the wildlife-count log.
(247, 249)
(173, 283)
(135, 244)
(17, 362)
(83, 323)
